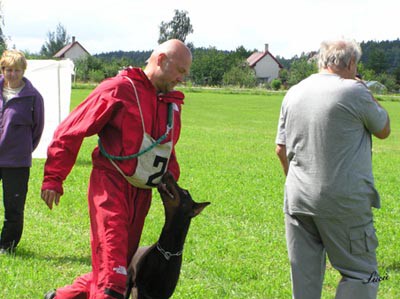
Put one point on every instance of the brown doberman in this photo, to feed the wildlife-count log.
(154, 270)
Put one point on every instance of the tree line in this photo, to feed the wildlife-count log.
(380, 61)
(212, 67)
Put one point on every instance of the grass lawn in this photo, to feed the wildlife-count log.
(236, 247)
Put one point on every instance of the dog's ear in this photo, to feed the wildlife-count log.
(198, 207)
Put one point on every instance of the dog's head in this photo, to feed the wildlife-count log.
(175, 199)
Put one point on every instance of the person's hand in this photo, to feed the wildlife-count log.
(50, 197)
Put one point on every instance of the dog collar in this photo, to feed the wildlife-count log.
(167, 255)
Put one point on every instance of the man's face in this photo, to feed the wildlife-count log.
(172, 72)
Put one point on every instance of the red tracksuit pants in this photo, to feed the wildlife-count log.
(117, 214)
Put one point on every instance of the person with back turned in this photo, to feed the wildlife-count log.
(325, 147)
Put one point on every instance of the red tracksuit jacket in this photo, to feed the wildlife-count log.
(111, 111)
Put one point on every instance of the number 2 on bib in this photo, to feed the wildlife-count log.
(157, 161)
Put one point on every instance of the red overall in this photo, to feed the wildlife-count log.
(117, 209)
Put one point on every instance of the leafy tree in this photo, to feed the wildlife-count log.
(396, 74)
(96, 69)
(377, 61)
(388, 80)
(96, 76)
(3, 44)
(56, 41)
(209, 66)
(240, 54)
(110, 69)
(366, 74)
(276, 84)
(178, 28)
(241, 75)
(133, 58)
(285, 62)
(284, 76)
(86, 68)
(301, 69)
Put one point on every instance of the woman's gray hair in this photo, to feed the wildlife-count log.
(338, 54)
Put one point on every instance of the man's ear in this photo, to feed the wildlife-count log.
(162, 60)
(351, 63)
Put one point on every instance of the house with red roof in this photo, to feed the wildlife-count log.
(265, 65)
(73, 51)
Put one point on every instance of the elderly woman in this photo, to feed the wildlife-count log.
(22, 121)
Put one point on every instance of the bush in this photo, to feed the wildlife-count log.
(276, 84)
(242, 76)
(96, 76)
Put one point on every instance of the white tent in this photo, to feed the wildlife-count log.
(53, 80)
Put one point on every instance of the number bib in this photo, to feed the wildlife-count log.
(152, 158)
(151, 165)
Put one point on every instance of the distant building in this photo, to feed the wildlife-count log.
(73, 51)
(265, 65)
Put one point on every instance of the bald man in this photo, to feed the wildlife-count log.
(136, 115)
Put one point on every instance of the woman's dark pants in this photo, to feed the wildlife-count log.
(15, 188)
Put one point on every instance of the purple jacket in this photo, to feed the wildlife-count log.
(21, 126)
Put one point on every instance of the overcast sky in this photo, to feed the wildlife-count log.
(290, 27)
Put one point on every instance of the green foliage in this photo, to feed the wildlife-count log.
(96, 76)
(382, 56)
(209, 64)
(208, 67)
(276, 84)
(388, 80)
(83, 67)
(112, 68)
(240, 75)
(377, 60)
(366, 74)
(284, 76)
(93, 69)
(240, 54)
(3, 43)
(133, 58)
(178, 28)
(56, 40)
(301, 69)
(212, 67)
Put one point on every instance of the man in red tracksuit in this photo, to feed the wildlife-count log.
(123, 111)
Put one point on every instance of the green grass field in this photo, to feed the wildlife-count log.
(236, 247)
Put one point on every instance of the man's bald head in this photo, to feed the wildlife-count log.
(168, 65)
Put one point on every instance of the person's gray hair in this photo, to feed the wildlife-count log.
(338, 54)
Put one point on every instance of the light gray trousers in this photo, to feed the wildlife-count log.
(350, 244)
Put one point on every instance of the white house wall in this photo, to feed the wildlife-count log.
(75, 53)
(267, 68)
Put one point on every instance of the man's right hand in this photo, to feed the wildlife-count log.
(50, 197)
